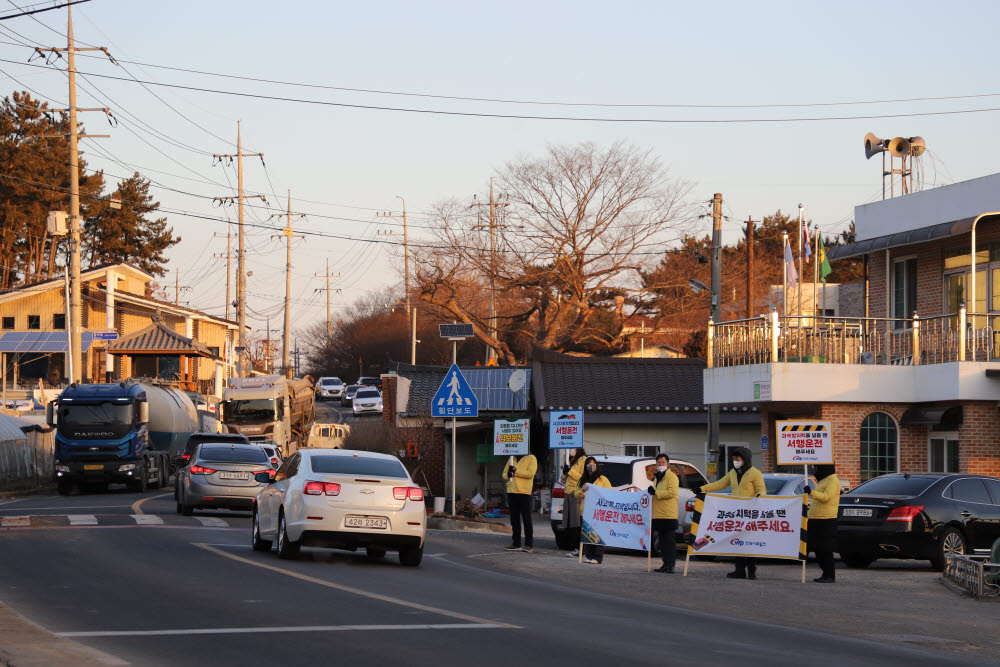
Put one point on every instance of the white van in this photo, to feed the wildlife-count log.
(630, 473)
(328, 436)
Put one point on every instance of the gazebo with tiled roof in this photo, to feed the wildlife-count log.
(157, 341)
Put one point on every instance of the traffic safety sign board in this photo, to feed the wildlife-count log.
(455, 398)
(804, 442)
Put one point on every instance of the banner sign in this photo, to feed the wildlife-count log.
(616, 518)
(769, 526)
(511, 437)
(565, 429)
(803, 442)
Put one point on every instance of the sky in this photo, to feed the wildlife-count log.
(813, 77)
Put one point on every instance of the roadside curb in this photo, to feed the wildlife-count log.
(24, 642)
(460, 525)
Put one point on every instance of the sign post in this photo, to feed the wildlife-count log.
(455, 397)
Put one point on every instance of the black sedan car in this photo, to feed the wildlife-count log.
(919, 516)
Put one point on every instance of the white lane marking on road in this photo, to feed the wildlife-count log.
(82, 519)
(137, 505)
(292, 628)
(356, 591)
(212, 522)
(16, 500)
(66, 507)
(15, 521)
(147, 520)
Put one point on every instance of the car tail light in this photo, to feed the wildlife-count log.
(200, 470)
(320, 488)
(186, 456)
(905, 513)
(269, 471)
(274, 460)
(689, 505)
(407, 492)
(559, 493)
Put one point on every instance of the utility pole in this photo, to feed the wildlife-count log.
(493, 264)
(76, 298)
(713, 408)
(229, 271)
(287, 233)
(410, 315)
(178, 287)
(327, 275)
(241, 278)
(749, 242)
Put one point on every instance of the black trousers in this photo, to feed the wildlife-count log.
(744, 565)
(666, 531)
(520, 512)
(594, 552)
(823, 542)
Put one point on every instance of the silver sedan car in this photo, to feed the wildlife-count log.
(221, 476)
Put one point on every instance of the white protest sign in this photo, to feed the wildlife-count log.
(804, 442)
(511, 437)
(768, 526)
(615, 518)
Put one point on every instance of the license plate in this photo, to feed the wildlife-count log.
(377, 522)
(857, 511)
(234, 475)
(93, 467)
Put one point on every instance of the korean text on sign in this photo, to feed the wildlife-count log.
(616, 518)
(804, 442)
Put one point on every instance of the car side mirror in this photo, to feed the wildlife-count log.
(50, 413)
(264, 477)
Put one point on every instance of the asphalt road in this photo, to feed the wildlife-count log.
(153, 588)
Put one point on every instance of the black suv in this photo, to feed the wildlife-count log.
(918, 515)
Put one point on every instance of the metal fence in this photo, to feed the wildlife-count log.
(854, 340)
(974, 574)
(27, 463)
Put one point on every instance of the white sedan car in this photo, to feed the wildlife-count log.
(341, 499)
(367, 400)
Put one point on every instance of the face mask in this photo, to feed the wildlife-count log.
(662, 468)
(737, 464)
(592, 468)
(571, 454)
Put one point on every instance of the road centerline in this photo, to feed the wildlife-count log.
(356, 591)
(137, 505)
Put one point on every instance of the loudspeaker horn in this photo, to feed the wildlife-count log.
(899, 147)
(917, 146)
(873, 145)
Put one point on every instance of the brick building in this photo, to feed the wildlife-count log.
(913, 385)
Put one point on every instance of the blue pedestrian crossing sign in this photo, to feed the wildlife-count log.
(454, 398)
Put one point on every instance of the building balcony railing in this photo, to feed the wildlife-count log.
(914, 341)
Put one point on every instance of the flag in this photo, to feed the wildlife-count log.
(824, 265)
(805, 238)
(791, 275)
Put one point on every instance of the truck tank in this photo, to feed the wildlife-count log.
(172, 417)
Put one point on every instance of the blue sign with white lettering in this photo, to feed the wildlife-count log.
(763, 443)
(455, 398)
(105, 335)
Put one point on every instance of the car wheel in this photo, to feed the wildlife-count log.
(411, 556)
(952, 542)
(186, 510)
(256, 541)
(374, 553)
(286, 548)
(857, 559)
(65, 488)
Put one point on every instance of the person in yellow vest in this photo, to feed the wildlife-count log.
(744, 481)
(520, 478)
(664, 492)
(593, 554)
(571, 510)
(824, 502)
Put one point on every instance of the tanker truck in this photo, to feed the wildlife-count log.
(123, 432)
(270, 408)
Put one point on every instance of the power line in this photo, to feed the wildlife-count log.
(587, 119)
(39, 11)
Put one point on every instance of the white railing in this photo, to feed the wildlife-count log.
(974, 574)
(854, 340)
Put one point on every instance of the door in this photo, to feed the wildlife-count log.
(975, 508)
(275, 492)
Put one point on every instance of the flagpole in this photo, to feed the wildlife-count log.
(784, 277)
(798, 301)
(815, 260)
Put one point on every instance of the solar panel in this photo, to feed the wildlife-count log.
(456, 330)
(41, 341)
(490, 387)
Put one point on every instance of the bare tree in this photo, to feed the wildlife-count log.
(580, 225)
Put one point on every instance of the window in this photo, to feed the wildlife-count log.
(943, 454)
(8, 323)
(214, 351)
(879, 446)
(994, 487)
(231, 454)
(357, 465)
(904, 290)
(59, 321)
(34, 321)
(726, 451)
(688, 476)
(969, 490)
(641, 450)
